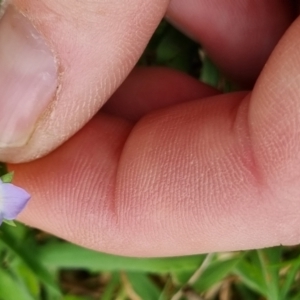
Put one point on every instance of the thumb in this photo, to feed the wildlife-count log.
(274, 127)
(60, 61)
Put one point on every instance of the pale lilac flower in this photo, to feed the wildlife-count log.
(12, 201)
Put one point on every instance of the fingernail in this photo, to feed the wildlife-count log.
(28, 78)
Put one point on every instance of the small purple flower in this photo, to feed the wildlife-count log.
(12, 201)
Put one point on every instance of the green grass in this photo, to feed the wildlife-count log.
(35, 265)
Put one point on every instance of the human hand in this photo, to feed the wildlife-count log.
(211, 174)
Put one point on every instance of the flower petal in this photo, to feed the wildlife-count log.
(12, 201)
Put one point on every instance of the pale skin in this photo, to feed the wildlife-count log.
(202, 174)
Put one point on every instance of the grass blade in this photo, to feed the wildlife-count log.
(111, 287)
(250, 275)
(291, 275)
(143, 286)
(28, 256)
(269, 262)
(12, 289)
(215, 273)
(66, 255)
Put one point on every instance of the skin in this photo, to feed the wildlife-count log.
(157, 172)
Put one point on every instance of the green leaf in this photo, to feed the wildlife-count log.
(290, 279)
(66, 255)
(210, 74)
(31, 281)
(250, 274)
(27, 254)
(10, 223)
(17, 233)
(182, 277)
(111, 287)
(143, 286)
(168, 289)
(12, 289)
(269, 263)
(8, 177)
(170, 48)
(215, 272)
(177, 51)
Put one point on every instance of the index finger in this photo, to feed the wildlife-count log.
(216, 174)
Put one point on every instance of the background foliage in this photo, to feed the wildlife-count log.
(35, 265)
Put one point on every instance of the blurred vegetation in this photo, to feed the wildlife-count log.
(35, 265)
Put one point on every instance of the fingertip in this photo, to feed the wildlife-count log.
(86, 45)
(246, 32)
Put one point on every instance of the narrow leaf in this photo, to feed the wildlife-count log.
(11, 289)
(66, 255)
(10, 223)
(8, 177)
(28, 256)
(143, 286)
(215, 273)
(251, 276)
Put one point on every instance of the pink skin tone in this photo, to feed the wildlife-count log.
(230, 31)
(206, 172)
